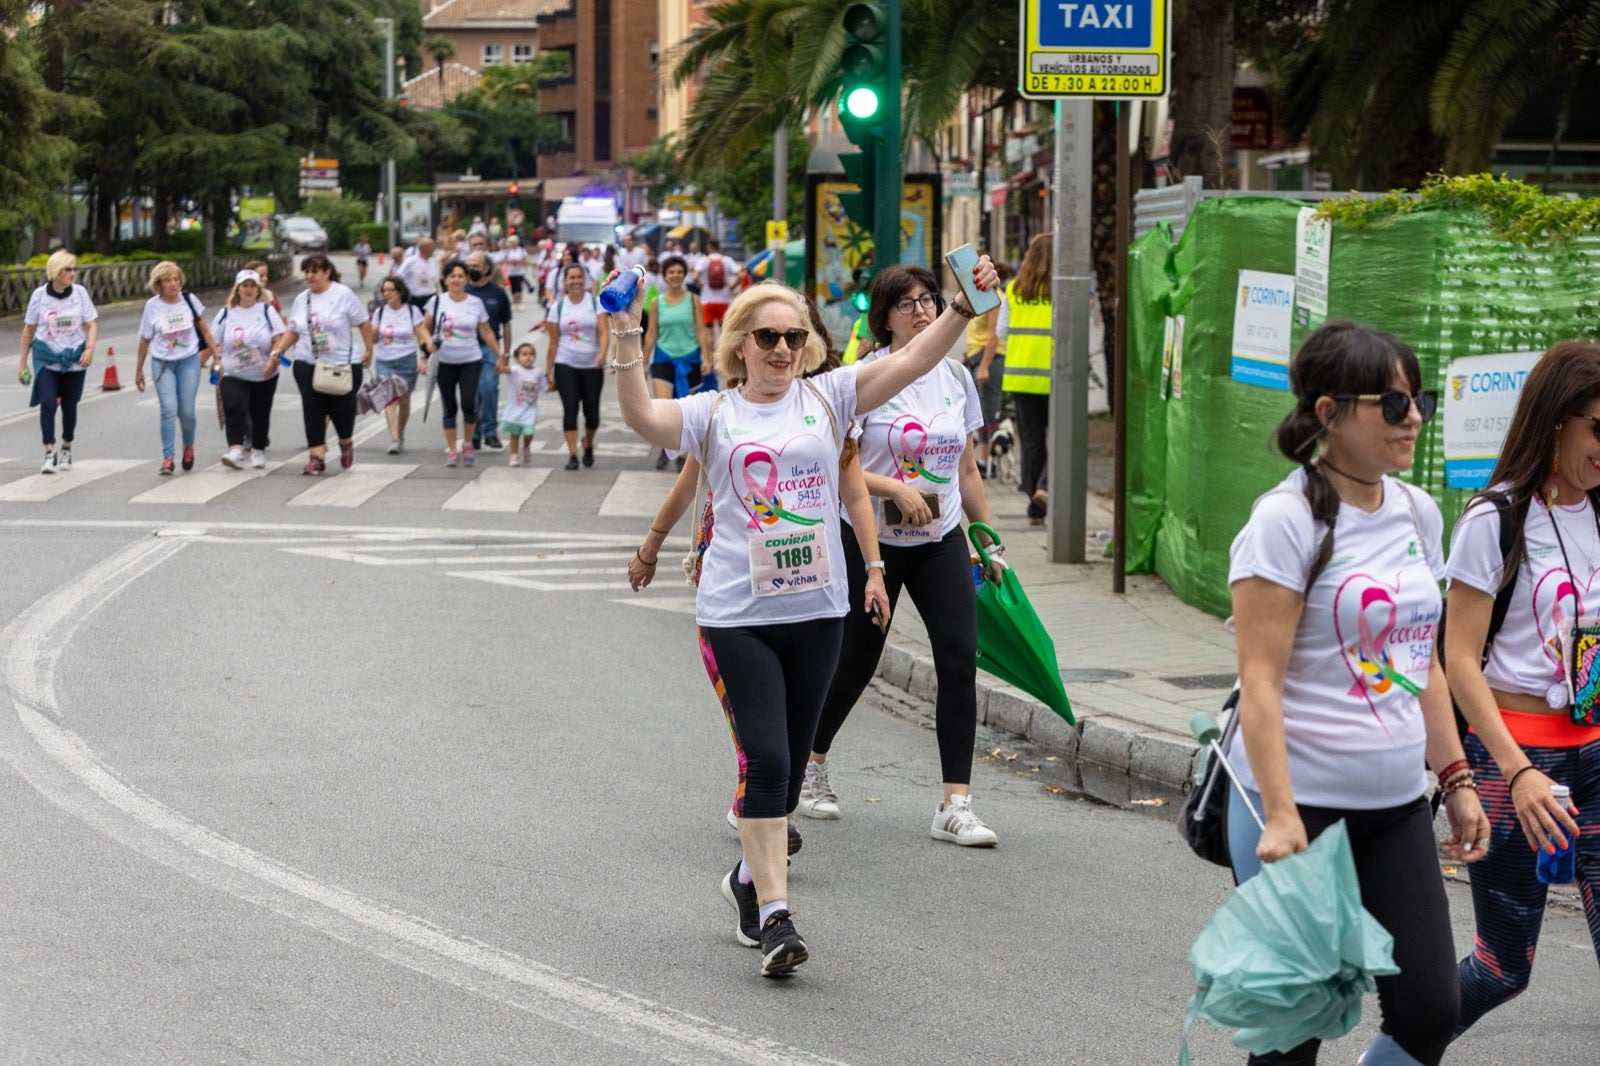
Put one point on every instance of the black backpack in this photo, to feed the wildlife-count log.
(1511, 520)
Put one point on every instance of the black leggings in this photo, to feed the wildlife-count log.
(939, 578)
(247, 407)
(774, 678)
(319, 408)
(579, 384)
(66, 386)
(1033, 430)
(463, 377)
(1398, 870)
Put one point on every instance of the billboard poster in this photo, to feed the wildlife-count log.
(255, 222)
(837, 246)
(416, 215)
(1481, 393)
(1261, 319)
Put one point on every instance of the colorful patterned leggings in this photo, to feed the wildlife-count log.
(1507, 896)
(709, 657)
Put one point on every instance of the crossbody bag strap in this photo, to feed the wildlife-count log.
(833, 421)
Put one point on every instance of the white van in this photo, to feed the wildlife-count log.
(587, 220)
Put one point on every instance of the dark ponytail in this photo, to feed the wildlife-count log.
(1338, 359)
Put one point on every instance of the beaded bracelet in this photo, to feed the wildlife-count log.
(1460, 783)
(615, 367)
(634, 332)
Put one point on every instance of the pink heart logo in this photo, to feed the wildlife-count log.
(760, 469)
(908, 438)
(1558, 598)
(1366, 615)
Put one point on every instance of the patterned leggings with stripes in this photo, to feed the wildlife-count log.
(1508, 898)
(709, 657)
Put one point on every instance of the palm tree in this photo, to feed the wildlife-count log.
(443, 50)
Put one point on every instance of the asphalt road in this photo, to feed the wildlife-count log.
(293, 780)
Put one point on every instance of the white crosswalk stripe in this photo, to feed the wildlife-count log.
(636, 494)
(498, 488)
(202, 486)
(37, 488)
(353, 487)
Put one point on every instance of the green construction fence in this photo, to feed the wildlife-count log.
(1438, 278)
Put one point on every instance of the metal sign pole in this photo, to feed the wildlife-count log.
(780, 198)
(1069, 307)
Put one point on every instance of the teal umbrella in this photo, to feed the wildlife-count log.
(1289, 955)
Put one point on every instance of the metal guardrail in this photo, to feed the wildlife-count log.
(111, 282)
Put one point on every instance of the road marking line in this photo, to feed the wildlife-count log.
(371, 538)
(30, 415)
(353, 487)
(543, 582)
(636, 494)
(62, 767)
(37, 488)
(497, 488)
(202, 486)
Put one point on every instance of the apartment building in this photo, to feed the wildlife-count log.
(487, 33)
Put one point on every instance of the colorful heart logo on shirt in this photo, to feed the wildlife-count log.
(756, 467)
(908, 441)
(1559, 599)
(1365, 615)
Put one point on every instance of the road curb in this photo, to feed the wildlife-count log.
(1100, 746)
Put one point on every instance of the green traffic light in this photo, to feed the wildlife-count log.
(860, 301)
(861, 102)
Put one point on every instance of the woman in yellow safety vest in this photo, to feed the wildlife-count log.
(1023, 326)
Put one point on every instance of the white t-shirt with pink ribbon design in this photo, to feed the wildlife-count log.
(1362, 653)
(918, 437)
(776, 555)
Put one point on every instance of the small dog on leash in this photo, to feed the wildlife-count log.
(1003, 451)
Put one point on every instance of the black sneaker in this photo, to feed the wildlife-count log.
(661, 460)
(794, 839)
(743, 898)
(781, 947)
(492, 443)
(588, 457)
(572, 462)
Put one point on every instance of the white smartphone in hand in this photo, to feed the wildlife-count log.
(962, 262)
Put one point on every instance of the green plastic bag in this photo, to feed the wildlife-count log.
(1012, 643)
(1289, 955)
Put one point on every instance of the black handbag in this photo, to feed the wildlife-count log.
(1203, 819)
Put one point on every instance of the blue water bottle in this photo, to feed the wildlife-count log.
(618, 296)
(1560, 868)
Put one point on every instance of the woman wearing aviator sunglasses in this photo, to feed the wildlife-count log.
(1531, 701)
(772, 589)
(1343, 704)
(917, 452)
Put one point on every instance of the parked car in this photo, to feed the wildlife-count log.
(298, 233)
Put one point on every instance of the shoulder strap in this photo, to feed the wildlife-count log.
(435, 311)
(1327, 538)
(594, 304)
(1411, 502)
(222, 316)
(266, 314)
(705, 445)
(1508, 585)
(188, 298)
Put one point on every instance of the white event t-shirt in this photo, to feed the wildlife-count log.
(59, 320)
(773, 469)
(1355, 735)
(395, 332)
(245, 336)
(420, 275)
(326, 324)
(170, 327)
(730, 272)
(579, 329)
(918, 437)
(1527, 656)
(455, 327)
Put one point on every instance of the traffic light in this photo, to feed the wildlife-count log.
(861, 278)
(864, 86)
(512, 190)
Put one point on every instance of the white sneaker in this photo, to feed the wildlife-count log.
(63, 458)
(394, 445)
(817, 798)
(958, 823)
(49, 465)
(233, 459)
(258, 459)
(733, 820)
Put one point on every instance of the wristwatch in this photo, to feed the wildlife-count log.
(876, 564)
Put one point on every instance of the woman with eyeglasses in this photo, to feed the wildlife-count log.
(1518, 623)
(1343, 704)
(772, 589)
(58, 334)
(917, 452)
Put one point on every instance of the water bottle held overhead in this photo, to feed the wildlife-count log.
(618, 295)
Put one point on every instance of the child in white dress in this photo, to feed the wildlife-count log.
(522, 412)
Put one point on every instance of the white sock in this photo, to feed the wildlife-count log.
(769, 909)
(745, 876)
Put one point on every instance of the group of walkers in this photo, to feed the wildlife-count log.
(1344, 701)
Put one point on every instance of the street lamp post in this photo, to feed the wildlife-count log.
(391, 208)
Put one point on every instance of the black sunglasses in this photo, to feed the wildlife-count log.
(767, 339)
(1397, 405)
(1594, 422)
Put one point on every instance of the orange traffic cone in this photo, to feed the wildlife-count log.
(380, 259)
(110, 383)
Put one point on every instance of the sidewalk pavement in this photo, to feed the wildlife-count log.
(1136, 667)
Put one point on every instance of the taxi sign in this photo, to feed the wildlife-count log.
(1095, 51)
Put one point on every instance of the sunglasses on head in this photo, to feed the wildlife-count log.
(1397, 405)
(767, 339)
